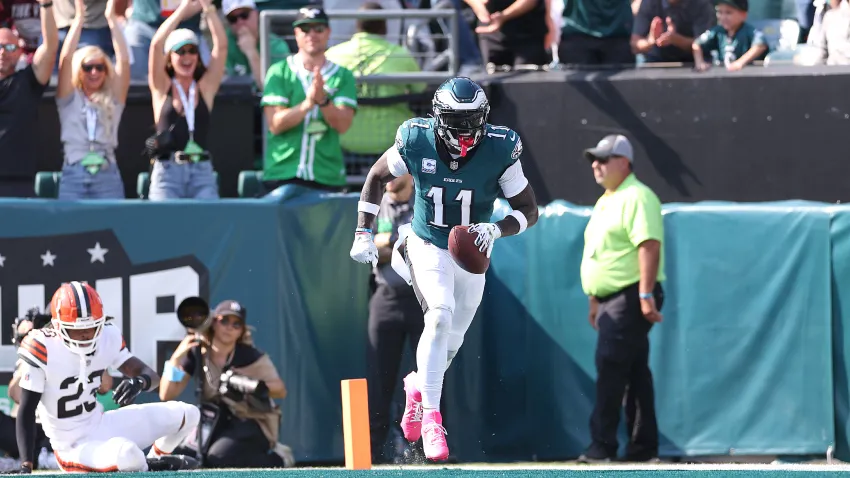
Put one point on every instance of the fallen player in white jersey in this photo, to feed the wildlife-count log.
(60, 374)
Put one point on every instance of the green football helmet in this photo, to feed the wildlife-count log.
(461, 110)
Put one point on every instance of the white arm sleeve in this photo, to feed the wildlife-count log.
(395, 162)
(32, 378)
(513, 180)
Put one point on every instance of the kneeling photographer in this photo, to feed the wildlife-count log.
(239, 385)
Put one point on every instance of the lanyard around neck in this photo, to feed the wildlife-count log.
(91, 121)
(188, 104)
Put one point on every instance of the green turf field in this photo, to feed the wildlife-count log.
(523, 470)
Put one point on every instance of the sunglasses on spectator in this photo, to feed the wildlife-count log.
(99, 67)
(187, 50)
(10, 47)
(231, 322)
(235, 17)
(313, 28)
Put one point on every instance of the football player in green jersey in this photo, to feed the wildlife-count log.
(459, 164)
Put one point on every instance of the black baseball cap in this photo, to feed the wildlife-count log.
(742, 5)
(311, 14)
(230, 307)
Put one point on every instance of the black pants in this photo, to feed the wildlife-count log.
(622, 367)
(588, 50)
(394, 317)
(240, 444)
(501, 50)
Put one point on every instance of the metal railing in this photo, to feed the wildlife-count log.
(449, 16)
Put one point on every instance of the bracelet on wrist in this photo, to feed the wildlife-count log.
(645, 295)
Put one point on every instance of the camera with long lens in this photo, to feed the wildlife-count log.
(194, 314)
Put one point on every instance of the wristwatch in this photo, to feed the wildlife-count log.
(645, 295)
(326, 102)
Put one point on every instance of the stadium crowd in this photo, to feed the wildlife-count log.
(91, 50)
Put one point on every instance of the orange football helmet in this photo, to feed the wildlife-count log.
(75, 306)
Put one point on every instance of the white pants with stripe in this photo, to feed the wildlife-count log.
(450, 297)
(116, 443)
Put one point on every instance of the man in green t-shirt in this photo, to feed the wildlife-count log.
(243, 41)
(369, 52)
(308, 102)
(622, 268)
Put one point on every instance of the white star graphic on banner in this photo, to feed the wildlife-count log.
(2, 260)
(98, 253)
(47, 259)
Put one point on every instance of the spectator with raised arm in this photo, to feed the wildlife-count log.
(95, 29)
(22, 16)
(145, 17)
(20, 95)
(90, 95)
(183, 90)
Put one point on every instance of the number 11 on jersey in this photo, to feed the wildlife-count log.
(464, 196)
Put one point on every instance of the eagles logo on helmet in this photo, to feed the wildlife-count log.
(461, 109)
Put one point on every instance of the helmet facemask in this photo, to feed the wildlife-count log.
(461, 130)
(80, 347)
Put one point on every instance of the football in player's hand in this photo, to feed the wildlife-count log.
(464, 251)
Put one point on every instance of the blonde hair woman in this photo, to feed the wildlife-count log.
(90, 96)
(182, 91)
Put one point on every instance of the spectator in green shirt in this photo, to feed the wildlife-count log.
(243, 41)
(308, 101)
(369, 53)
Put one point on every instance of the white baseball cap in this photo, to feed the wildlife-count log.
(230, 5)
(180, 38)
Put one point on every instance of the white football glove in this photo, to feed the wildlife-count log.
(487, 235)
(364, 249)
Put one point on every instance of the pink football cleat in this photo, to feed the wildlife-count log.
(434, 436)
(411, 421)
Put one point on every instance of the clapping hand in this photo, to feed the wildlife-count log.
(666, 38)
(496, 21)
(316, 91)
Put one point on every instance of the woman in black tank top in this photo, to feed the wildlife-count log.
(182, 91)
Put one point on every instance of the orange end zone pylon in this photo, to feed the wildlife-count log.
(355, 424)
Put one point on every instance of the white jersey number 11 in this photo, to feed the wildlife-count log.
(465, 198)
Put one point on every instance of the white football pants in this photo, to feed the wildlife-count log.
(450, 298)
(116, 443)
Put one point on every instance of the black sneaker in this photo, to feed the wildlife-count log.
(172, 463)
